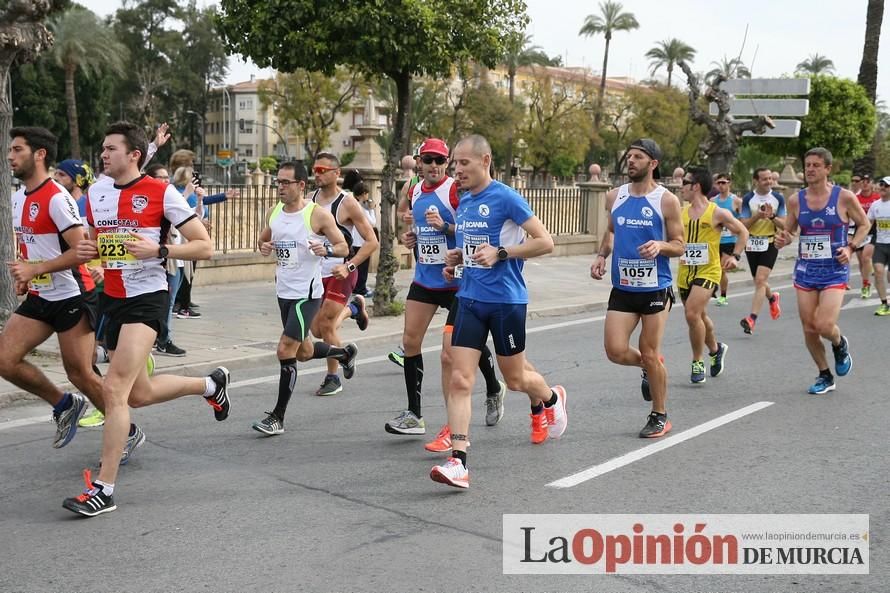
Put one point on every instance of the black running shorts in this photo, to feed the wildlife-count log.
(641, 303)
(149, 309)
(59, 315)
(766, 258)
(706, 284)
(297, 316)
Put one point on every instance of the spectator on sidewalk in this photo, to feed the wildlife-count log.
(368, 208)
(183, 181)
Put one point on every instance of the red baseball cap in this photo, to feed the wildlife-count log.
(434, 146)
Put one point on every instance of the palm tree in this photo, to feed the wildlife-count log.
(667, 53)
(814, 65)
(868, 74)
(728, 68)
(520, 53)
(83, 42)
(609, 20)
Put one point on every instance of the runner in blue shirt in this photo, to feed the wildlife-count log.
(728, 200)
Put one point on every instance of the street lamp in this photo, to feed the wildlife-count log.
(283, 141)
(203, 132)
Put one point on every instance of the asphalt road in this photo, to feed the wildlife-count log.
(337, 504)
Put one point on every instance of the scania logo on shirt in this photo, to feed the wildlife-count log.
(474, 224)
(116, 222)
(484, 211)
(33, 210)
(139, 203)
(633, 222)
(647, 211)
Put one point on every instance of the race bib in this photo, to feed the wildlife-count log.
(883, 230)
(696, 254)
(42, 281)
(431, 249)
(113, 253)
(471, 243)
(286, 253)
(757, 244)
(815, 247)
(638, 273)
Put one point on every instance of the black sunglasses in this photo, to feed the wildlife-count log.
(429, 160)
(688, 182)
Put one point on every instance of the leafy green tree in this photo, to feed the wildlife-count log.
(668, 54)
(309, 103)
(83, 44)
(728, 68)
(520, 53)
(815, 65)
(491, 114)
(608, 21)
(398, 40)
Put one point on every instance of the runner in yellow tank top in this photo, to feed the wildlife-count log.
(701, 265)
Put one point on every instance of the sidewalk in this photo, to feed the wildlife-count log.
(240, 323)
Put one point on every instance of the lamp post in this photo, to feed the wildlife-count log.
(283, 141)
(203, 132)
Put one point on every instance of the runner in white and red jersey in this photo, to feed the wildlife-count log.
(60, 295)
(129, 220)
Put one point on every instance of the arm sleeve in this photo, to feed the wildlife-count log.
(176, 209)
(63, 211)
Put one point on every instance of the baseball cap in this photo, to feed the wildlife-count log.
(651, 148)
(885, 181)
(434, 146)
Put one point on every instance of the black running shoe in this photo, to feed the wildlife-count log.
(271, 425)
(349, 363)
(644, 386)
(657, 425)
(170, 349)
(219, 401)
(92, 502)
(361, 318)
(718, 359)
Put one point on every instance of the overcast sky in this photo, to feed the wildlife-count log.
(781, 33)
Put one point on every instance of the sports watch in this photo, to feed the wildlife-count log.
(502, 253)
(350, 266)
(163, 252)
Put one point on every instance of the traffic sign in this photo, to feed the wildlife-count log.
(771, 107)
(761, 97)
(224, 154)
(785, 128)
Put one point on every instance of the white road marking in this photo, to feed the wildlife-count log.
(661, 445)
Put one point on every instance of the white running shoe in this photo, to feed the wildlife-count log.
(452, 472)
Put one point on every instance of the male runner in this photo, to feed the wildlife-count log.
(728, 200)
(822, 211)
(129, 220)
(763, 213)
(339, 274)
(60, 296)
(434, 202)
(645, 230)
(492, 222)
(866, 196)
(879, 215)
(299, 233)
(701, 265)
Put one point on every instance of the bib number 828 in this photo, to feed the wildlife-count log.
(429, 249)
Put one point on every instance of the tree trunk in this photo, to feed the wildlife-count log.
(384, 290)
(868, 75)
(598, 117)
(8, 300)
(670, 73)
(508, 173)
(71, 104)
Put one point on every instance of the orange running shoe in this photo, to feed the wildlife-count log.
(540, 431)
(441, 443)
(748, 324)
(775, 309)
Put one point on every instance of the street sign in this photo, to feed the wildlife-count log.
(225, 158)
(767, 86)
(771, 107)
(224, 154)
(785, 128)
(760, 97)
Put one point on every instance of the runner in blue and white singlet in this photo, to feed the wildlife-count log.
(636, 220)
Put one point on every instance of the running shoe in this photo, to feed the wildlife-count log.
(843, 362)
(822, 385)
(397, 357)
(656, 426)
(137, 439)
(92, 502)
(101, 354)
(330, 386)
(557, 418)
(67, 419)
(442, 442)
(452, 472)
(270, 425)
(775, 306)
(186, 313)
(748, 322)
(494, 405)
(722, 301)
(406, 423)
(219, 401)
(361, 318)
(348, 365)
(539, 428)
(170, 349)
(883, 310)
(92, 420)
(698, 372)
(718, 359)
(865, 293)
(644, 386)
(150, 364)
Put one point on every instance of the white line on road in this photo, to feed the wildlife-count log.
(628, 458)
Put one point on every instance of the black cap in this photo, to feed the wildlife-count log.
(651, 148)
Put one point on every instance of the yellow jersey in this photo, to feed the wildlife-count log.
(701, 259)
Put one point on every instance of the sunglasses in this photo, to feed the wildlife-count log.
(722, 182)
(429, 160)
(286, 182)
(320, 170)
(688, 182)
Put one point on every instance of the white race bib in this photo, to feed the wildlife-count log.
(757, 244)
(471, 243)
(883, 230)
(815, 247)
(696, 254)
(286, 253)
(638, 273)
(431, 249)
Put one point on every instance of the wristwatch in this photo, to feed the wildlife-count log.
(163, 252)
(737, 256)
(502, 254)
(328, 250)
(445, 227)
(350, 266)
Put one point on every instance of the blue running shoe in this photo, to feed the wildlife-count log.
(843, 362)
(822, 385)
(698, 372)
(66, 420)
(718, 359)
